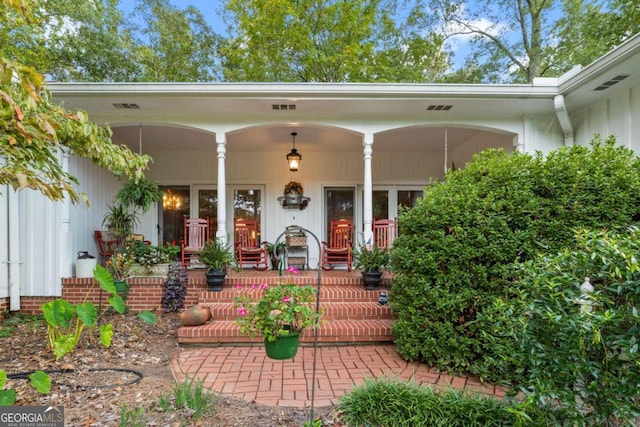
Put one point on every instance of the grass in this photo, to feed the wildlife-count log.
(133, 417)
(392, 402)
(190, 395)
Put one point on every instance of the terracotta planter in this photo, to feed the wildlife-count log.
(195, 316)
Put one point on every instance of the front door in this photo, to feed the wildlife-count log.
(339, 204)
(247, 204)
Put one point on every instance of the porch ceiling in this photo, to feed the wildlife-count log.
(406, 117)
(309, 139)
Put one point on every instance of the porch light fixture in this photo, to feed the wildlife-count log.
(294, 157)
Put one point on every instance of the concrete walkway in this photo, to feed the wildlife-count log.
(246, 373)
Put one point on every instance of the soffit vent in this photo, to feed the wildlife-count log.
(617, 79)
(439, 107)
(283, 107)
(125, 106)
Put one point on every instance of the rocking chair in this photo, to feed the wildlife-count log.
(248, 250)
(338, 250)
(196, 232)
(385, 232)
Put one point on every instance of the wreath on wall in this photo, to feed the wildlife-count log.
(293, 187)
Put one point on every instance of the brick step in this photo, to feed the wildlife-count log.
(329, 332)
(330, 311)
(328, 294)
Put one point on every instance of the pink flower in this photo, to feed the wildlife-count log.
(242, 311)
(253, 286)
(263, 286)
(285, 299)
(292, 270)
(238, 286)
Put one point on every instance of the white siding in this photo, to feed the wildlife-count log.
(4, 241)
(617, 114)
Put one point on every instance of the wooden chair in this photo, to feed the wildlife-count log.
(196, 232)
(338, 250)
(385, 232)
(106, 246)
(248, 249)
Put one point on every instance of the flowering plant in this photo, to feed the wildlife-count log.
(293, 187)
(149, 255)
(119, 265)
(275, 310)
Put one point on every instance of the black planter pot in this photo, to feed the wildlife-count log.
(215, 279)
(371, 279)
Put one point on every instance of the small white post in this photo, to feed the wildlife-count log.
(586, 301)
(586, 305)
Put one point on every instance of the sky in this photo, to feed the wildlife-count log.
(208, 8)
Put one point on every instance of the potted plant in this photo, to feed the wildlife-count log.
(139, 194)
(372, 259)
(280, 313)
(119, 221)
(150, 260)
(275, 252)
(119, 266)
(217, 257)
(293, 192)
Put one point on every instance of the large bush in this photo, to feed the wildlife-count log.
(455, 294)
(581, 349)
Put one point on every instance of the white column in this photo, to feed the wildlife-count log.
(15, 280)
(221, 233)
(367, 143)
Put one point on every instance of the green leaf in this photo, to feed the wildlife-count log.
(57, 313)
(105, 280)
(106, 334)
(7, 397)
(147, 317)
(64, 344)
(87, 313)
(3, 377)
(117, 303)
(40, 381)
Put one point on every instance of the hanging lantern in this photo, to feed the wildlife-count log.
(294, 157)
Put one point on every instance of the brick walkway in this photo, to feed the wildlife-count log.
(246, 373)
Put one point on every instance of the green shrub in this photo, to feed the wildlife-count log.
(392, 402)
(456, 294)
(585, 363)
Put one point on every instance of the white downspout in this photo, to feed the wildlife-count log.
(66, 257)
(367, 202)
(14, 251)
(563, 118)
(221, 233)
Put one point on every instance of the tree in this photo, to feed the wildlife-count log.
(592, 32)
(35, 129)
(329, 41)
(517, 40)
(175, 45)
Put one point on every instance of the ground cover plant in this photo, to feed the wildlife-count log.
(455, 291)
(392, 402)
